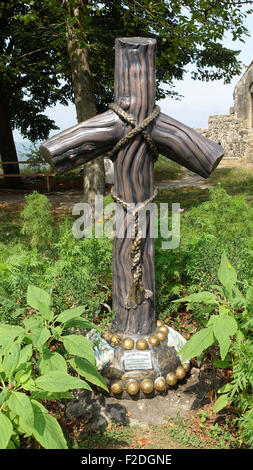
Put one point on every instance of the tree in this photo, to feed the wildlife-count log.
(186, 32)
(33, 59)
(37, 36)
(84, 97)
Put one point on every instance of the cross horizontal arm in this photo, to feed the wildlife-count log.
(84, 142)
(185, 146)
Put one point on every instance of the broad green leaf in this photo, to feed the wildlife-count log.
(40, 300)
(237, 298)
(5, 431)
(57, 332)
(20, 404)
(212, 320)
(39, 337)
(226, 273)
(47, 430)
(226, 388)
(79, 346)
(87, 370)
(223, 327)
(9, 332)
(29, 385)
(24, 373)
(11, 359)
(31, 323)
(70, 314)
(220, 403)
(223, 364)
(197, 344)
(50, 361)
(4, 395)
(59, 382)
(82, 323)
(11, 445)
(201, 297)
(223, 310)
(25, 354)
(52, 395)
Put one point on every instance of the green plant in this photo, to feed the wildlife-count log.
(229, 324)
(219, 327)
(39, 361)
(37, 220)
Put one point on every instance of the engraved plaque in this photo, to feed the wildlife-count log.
(137, 360)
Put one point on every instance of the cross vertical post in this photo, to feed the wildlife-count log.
(133, 131)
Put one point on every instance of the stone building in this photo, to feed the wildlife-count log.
(234, 131)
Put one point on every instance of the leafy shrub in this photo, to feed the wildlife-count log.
(38, 362)
(37, 220)
(76, 271)
(230, 325)
(206, 231)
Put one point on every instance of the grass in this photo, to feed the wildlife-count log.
(166, 170)
(235, 181)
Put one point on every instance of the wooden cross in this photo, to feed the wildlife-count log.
(135, 87)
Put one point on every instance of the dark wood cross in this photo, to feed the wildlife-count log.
(151, 133)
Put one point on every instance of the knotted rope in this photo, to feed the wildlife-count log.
(137, 293)
(137, 129)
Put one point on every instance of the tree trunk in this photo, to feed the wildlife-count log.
(134, 180)
(7, 146)
(93, 172)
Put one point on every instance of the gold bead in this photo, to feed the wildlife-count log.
(160, 384)
(128, 343)
(107, 335)
(171, 379)
(153, 340)
(115, 340)
(117, 387)
(159, 323)
(164, 329)
(141, 344)
(180, 372)
(186, 366)
(147, 386)
(132, 387)
(161, 335)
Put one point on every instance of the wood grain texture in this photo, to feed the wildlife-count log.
(83, 142)
(134, 179)
(185, 146)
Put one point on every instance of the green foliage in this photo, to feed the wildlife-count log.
(37, 220)
(207, 230)
(76, 271)
(233, 320)
(30, 39)
(31, 371)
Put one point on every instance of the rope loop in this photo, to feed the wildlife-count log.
(137, 129)
(137, 294)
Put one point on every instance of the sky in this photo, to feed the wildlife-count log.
(200, 99)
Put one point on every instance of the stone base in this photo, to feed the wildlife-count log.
(140, 366)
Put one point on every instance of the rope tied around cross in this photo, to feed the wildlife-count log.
(137, 294)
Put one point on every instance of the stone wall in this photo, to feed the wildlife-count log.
(229, 133)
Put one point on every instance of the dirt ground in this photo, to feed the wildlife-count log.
(190, 394)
